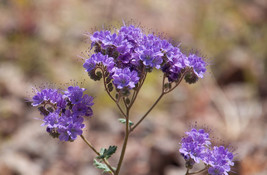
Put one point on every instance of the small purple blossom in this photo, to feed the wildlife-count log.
(220, 159)
(151, 58)
(37, 99)
(51, 120)
(103, 37)
(49, 95)
(198, 64)
(90, 64)
(98, 58)
(70, 127)
(195, 145)
(125, 78)
(74, 94)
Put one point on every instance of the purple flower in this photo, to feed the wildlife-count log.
(97, 58)
(51, 120)
(79, 109)
(198, 64)
(70, 128)
(37, 99)
(108, 62)
(151, 59)
(65, 119)
(125, 78)
(195, 145)
(49, 95)
(105, 38)
(89, 64)
(130, 48)
(88, 100)
(131, 34)
(74, 94)
(217, 170)
(222, 158)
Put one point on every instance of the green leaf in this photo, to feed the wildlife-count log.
(106, 153)
(123, 120)
(101, 166)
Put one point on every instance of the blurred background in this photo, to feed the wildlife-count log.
(40, 41)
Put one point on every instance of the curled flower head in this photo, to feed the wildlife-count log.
(198, 64)
(63, 111)
(196, 147)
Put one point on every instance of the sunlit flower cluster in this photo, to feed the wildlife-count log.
(128, 53)
(196, 147)
(63, 111)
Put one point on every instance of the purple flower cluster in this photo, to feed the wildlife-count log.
(129, 48)
(196, 147)
(64, 111)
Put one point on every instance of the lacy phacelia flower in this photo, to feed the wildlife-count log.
(98, 58)
(196, 147)
(220, 160)
(198, 65)
(125, 78)
(129, 47)
(64, 111)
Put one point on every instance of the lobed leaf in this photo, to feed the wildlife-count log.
(102, 166)
(106, 153)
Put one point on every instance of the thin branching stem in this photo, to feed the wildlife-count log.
(128, 129)
(150, 109)
(116, 101)
(197, 172)
(124, 142)
(137, 91)
(104, 160)
(118, 105)
(178, 82)
(105, 85)
(144, 116)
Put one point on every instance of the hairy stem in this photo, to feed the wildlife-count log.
(90, 145)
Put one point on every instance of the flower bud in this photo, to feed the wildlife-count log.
(191, 77)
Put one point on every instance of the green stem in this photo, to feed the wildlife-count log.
(105, 161)
(124, 142)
